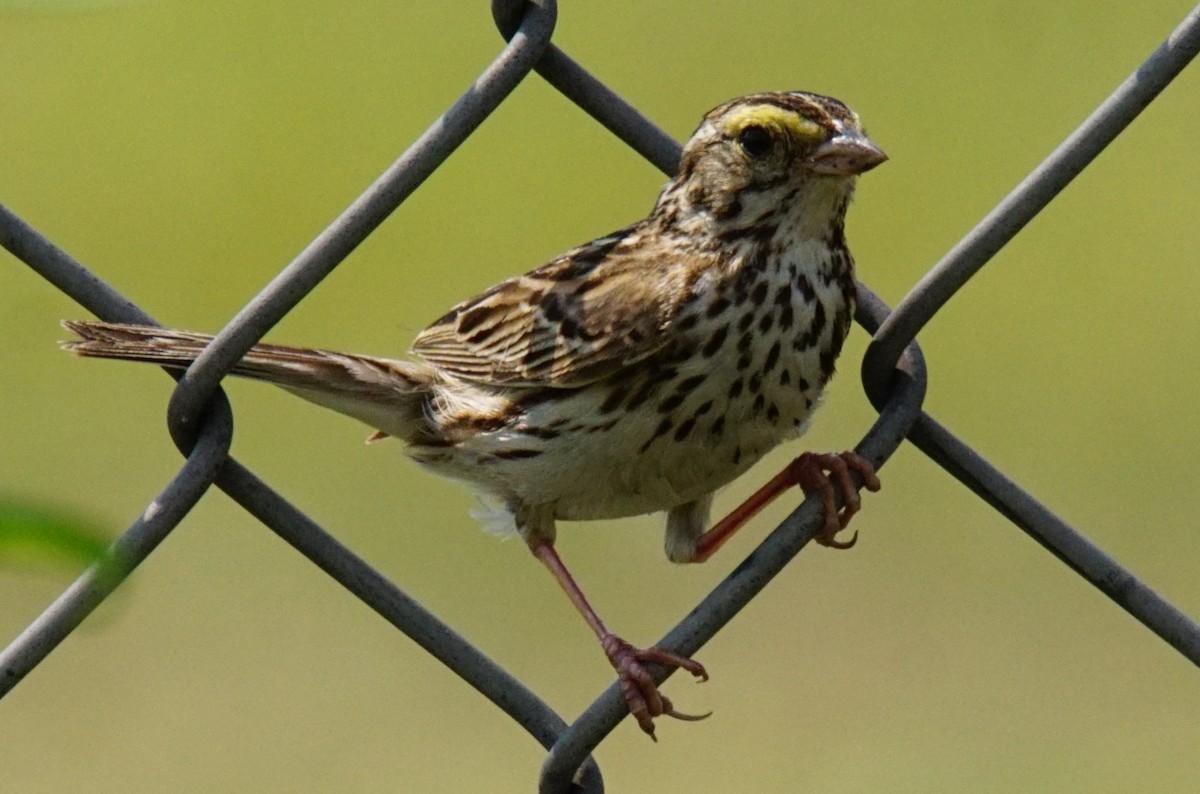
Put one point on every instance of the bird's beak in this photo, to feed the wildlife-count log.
(847, 153)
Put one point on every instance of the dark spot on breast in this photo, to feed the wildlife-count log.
(772, 358)
(715, 341)
(540, 432)
(664, 427)
(803, 384)
(671, 403)
(718, 306)
(746, 321)
(664, 374)
(735, 388)
(640, 395)
(786, 317)
(773, 413)
(717, 427)
(743, 362)
(759, 402)
(741, 287)
(684, 350)
(764, 235)
(703, 409)
(646, 388)
(809, 338)
(613, 400)
(686, 323)
(760, 293)
(765, 323)
(841, 323)
(841, 259)
(835, 344)
(805, 286)
(603, 427)
(783, 295)
(737, 456)
(745, 342)
(685, 429)
(516, 454)
(835, 236)
(757, 263)
(755, 382)
(785, 377)
(688, 384)
(828, 359)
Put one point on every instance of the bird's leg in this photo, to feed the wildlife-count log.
(814, 472)
(641, 693)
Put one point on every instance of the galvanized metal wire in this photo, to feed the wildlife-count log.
(201, 421)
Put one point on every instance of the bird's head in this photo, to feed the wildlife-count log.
(765, 159)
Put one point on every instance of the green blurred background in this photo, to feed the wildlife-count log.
(187, 151)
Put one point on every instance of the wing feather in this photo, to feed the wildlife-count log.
(583, 316)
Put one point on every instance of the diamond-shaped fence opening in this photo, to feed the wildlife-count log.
(893, 374)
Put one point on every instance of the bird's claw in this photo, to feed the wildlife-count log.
(641, 694)
(819, 472)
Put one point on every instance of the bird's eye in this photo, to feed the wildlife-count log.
(755, 141)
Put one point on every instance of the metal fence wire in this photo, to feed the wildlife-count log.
(893, 374)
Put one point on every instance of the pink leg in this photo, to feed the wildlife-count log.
(809, 472)
(641, 693)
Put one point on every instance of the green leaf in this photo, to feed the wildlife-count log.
(35, 536)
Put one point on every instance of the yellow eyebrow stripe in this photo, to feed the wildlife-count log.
(775, 119)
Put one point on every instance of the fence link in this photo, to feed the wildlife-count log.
(200, 419)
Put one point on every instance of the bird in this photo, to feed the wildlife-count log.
(637, 373)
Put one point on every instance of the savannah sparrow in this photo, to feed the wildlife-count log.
(639, 372)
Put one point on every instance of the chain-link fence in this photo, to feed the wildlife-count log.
(893, 374)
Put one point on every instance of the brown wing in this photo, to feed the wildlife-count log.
(581, 317)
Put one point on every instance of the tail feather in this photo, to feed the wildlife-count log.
(386, 394)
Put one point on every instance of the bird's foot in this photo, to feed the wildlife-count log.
(641, 693)
(823, 472)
